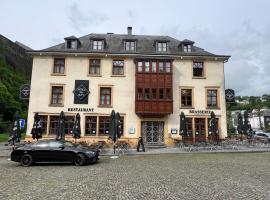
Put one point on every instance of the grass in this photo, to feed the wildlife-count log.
(4, 137)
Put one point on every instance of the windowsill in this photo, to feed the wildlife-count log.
(194, 77)
(94, 75)
(56, 105)
(57, 74)
(105, 106)
(187, 107)
(213, 108)
(118, 75)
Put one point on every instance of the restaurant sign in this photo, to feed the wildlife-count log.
(200, 112)
(80, 109)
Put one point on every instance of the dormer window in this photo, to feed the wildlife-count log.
(98, 44)
(187, 47)
(162, 46)
(130, 45)
(72, 44)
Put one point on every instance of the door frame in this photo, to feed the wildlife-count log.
(143, 135)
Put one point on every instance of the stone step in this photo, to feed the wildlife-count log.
(154, 146)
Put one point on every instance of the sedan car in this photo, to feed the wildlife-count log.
(262, 135)
(54, 151)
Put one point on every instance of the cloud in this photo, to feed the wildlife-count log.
(80, 20)
(247, 71)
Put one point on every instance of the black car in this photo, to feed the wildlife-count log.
(54, 151)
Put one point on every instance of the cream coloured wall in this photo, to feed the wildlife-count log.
(182, 77)
(123, 90)
(77, 69)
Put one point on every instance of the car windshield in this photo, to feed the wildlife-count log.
(267, 134)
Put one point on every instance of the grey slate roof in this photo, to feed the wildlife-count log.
(114, 45)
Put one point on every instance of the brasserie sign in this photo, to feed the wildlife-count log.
(200, 112)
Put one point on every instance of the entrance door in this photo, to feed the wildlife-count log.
(153, 132)
(200, 130)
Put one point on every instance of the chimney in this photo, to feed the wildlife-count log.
(129, 30)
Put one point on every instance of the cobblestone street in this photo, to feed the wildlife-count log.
(172, 176)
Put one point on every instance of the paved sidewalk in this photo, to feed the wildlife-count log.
(6, 150)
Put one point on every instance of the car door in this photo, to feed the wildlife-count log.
(40, 151)
(59, 154)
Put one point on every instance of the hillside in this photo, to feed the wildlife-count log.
(15, 70)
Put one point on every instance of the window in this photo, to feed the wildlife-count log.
(43, 122)
(59, 66)
(104, 124)
(42, 144)
(189, 127)
(168, 93)
(200, 126)
(55, 144)
(139, 66)
(105, 96)
(162, 46)
(98, 44)
(71, 44)
(187, 48)
(198, 69)
(54, 120)
(94, 67)
(146, 94)
(186, 97)
(91, 125)
(69, 123)
(212, 98)
(118, 67)
(154, 67)
(161, 95)
(140, 94)
(168, 67)
(154, 93)
(147, 67)
(160, 67)
(57, 95)
(130, 45)
(209, 129)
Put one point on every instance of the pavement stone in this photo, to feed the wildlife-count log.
(164, 176)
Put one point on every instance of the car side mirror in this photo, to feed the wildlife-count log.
(61, 147)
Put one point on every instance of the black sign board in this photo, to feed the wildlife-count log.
(81, 92)
(230, 96)
(25, 91)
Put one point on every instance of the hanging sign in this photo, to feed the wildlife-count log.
(81, 92)
(25, 91)
(229, 96)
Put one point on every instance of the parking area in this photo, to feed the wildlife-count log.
(166, 176)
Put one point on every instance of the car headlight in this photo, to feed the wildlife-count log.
(90, 152)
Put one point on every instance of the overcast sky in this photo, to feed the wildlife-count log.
(240, 28)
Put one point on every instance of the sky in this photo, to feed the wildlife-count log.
(240, 28)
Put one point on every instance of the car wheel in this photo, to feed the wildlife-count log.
(79, 159)
(26, 160)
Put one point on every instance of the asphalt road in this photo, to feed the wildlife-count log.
(173, 176)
